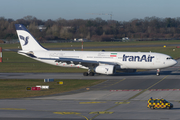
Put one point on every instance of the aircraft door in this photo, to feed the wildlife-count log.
(158, 59)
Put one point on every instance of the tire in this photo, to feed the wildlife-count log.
(157, 74)
(91, 74)
(152, 107)
(85, 74)
(168, 107)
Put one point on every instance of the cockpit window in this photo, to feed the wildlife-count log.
(168, 58)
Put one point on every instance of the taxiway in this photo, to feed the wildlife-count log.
(123, 96)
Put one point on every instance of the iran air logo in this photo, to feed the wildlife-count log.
(106, 69)
(25, 39)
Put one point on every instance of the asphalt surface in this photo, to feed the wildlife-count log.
(137, 75)
(123, 96)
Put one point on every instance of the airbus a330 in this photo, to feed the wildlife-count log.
(94, 61)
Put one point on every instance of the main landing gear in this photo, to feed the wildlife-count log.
(90, 73)
(158, 72)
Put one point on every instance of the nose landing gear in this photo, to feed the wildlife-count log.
(158, 72)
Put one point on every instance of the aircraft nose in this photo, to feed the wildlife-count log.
(174, 62)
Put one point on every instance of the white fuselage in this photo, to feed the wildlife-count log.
(96, 62)
(125, 60)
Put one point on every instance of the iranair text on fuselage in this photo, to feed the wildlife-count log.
(137, 58)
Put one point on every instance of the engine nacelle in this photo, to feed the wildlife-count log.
(105, 69)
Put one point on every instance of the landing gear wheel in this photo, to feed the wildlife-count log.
(158, 72)
(91, 74)
(85, 74)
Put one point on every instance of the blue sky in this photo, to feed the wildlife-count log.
(122, 10)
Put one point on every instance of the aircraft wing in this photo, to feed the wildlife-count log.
(86, 63)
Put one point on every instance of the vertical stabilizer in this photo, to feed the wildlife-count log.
(27, 41)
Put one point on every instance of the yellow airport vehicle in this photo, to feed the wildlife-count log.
(159, 103)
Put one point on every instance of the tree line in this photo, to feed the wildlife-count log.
(97, 29)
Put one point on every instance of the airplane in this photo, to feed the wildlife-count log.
(96, 62)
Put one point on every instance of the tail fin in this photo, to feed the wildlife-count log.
(27, 41)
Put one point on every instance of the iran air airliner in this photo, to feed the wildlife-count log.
(100, 62)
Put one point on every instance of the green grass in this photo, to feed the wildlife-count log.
(17, 88)
(93, 44)
(96, 44)
(90, 44)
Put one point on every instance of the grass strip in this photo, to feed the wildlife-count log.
(93, 44)
(15, 88)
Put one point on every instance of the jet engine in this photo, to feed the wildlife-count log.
(105, 69)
